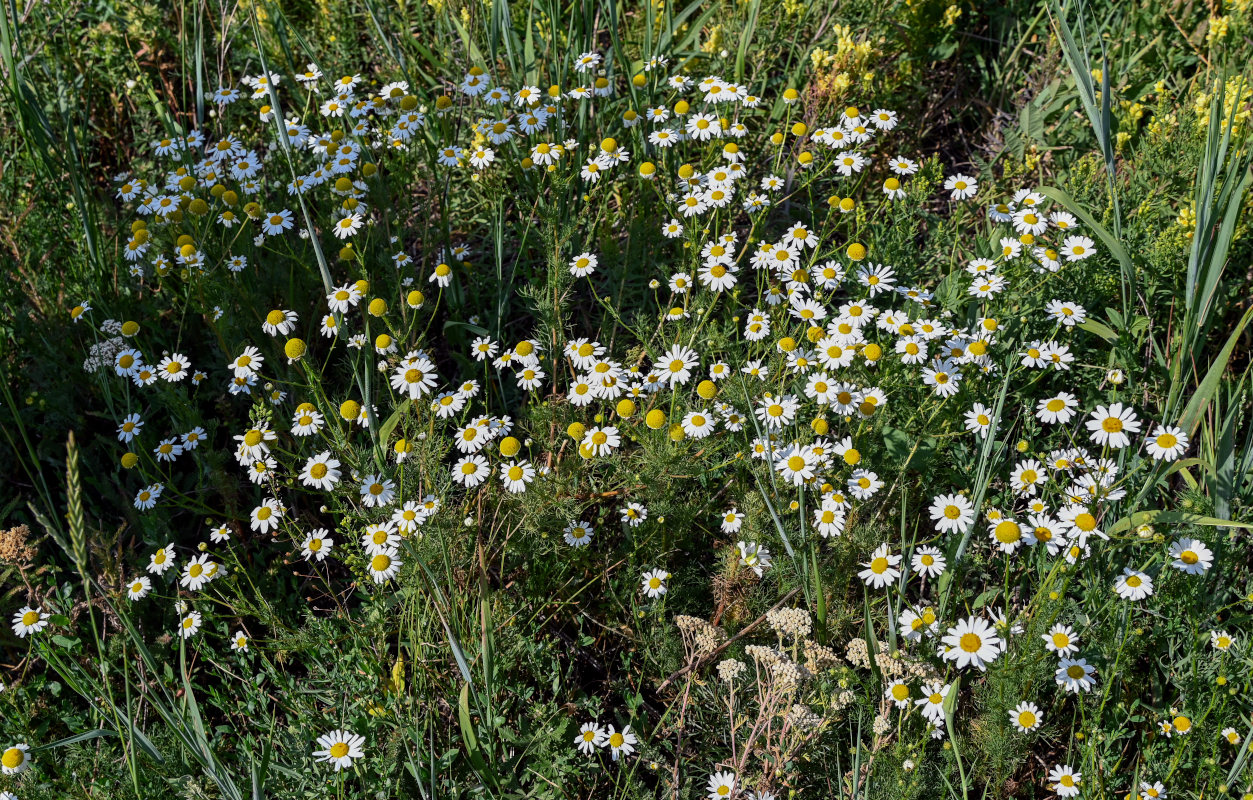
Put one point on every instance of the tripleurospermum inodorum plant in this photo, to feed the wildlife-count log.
(607, 402)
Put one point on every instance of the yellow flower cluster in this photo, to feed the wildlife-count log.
(1236, 94)
(713, 41)
(1218, 27)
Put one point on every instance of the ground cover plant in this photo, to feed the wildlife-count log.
(532, 399)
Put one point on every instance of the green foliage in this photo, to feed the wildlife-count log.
(471, 670)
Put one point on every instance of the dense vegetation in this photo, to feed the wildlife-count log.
(754, 398)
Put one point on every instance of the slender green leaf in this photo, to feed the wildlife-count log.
(1171, 518)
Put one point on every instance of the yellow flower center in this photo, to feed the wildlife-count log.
(1007, 532)
(339, 750)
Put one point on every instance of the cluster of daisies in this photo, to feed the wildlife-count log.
(826, 333)
(593, 735)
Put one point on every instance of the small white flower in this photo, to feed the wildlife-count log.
(340, 748)
(654, 583)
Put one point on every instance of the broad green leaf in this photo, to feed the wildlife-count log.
(1100, 329)
(745, 38)
(1115, 247)
(872, 645)
(477, 330)
(897, 442)
(474, 751)
(467, 725)
(1195, 409)
(1185, 463)
(950, 699)
(385, 431)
